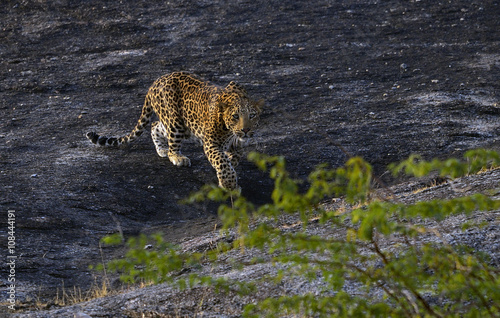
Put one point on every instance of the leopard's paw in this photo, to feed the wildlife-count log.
(162, 152)
(179, 160)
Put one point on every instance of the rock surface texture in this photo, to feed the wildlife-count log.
(382, 79)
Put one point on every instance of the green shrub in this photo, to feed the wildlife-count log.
(417, 278)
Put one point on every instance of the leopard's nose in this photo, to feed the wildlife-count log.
(245, 130)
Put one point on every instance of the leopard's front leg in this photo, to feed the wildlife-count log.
(235, 153)
(222, 164)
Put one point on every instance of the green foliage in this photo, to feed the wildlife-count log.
(420, 277)
(475, 161)
(150, 259)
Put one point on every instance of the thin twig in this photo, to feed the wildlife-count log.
(402, 279)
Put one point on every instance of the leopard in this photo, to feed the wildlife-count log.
(223, 119)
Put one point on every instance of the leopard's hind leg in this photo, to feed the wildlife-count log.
(175, 134)
(159, 135)
(168, 144)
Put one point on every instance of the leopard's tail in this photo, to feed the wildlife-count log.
(147, 112)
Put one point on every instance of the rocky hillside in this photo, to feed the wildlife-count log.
(379, 79)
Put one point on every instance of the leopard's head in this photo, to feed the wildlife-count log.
(241, 114)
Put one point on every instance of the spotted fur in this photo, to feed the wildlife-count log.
(223, 119)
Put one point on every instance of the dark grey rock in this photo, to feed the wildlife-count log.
(331, 74)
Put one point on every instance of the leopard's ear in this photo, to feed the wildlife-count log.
(259, 104)
(234, 87)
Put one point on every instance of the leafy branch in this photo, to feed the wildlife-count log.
(419, 276)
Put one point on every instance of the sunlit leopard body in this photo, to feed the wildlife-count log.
(222, 118)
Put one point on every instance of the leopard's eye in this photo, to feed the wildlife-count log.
(236, 116)
(252, 116)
